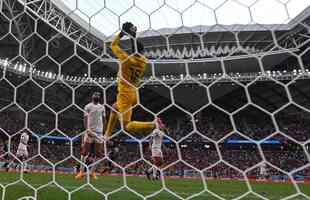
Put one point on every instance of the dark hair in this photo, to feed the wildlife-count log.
(96, 97)
(140, 47)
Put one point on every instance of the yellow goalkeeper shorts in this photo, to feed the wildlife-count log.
(124, 102)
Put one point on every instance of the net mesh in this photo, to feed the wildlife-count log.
(234, 97)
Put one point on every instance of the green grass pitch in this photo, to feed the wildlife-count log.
(67, 186)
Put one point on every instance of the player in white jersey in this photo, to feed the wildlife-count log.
(22, 151)
(156, 142)
(263, 171)
(94, 121)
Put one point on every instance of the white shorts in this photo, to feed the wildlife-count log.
(157, 153)
(263, 173)
(93, 138)
(22, 151)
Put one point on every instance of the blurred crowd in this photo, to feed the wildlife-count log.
(193, 143)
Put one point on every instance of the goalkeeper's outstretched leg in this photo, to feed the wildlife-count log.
(130, 126)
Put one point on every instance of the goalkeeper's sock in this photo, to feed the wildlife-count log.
(135, 126)
(111, 123)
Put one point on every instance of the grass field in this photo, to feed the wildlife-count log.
(112, 186)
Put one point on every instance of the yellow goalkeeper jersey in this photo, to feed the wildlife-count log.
(132, 67)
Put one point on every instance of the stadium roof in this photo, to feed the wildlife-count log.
(216, 38)
(218, 42)
(61, 48)
(82, 11)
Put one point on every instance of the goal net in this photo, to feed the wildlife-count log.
(228, 78)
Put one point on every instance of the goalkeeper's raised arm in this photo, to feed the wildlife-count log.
(127, 29)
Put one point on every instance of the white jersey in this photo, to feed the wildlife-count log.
(23, 143)
(24, 138)
(157, 139)
(263, 169)
(95, 113)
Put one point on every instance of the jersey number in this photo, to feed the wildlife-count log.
(135, 74)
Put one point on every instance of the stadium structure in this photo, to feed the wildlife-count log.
(233, 97)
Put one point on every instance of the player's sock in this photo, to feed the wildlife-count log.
(135, 126)
(88, 161)
(18, 167)
(105, 170)
(93, 171)
(158, 174)
(10, 164)
(111, 123)
(154, 172)
(150, 170)
(6, 165)
(92, 160)
(81, 165)
(24, 166)
(93, 168)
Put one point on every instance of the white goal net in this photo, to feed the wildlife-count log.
(228, 78)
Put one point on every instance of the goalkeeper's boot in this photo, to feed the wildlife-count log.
(80, 175)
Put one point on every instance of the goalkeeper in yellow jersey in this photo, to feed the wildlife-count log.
(131, 70)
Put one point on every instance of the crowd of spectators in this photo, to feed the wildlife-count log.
(204, 149)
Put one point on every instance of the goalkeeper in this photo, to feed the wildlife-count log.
(131, 70)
